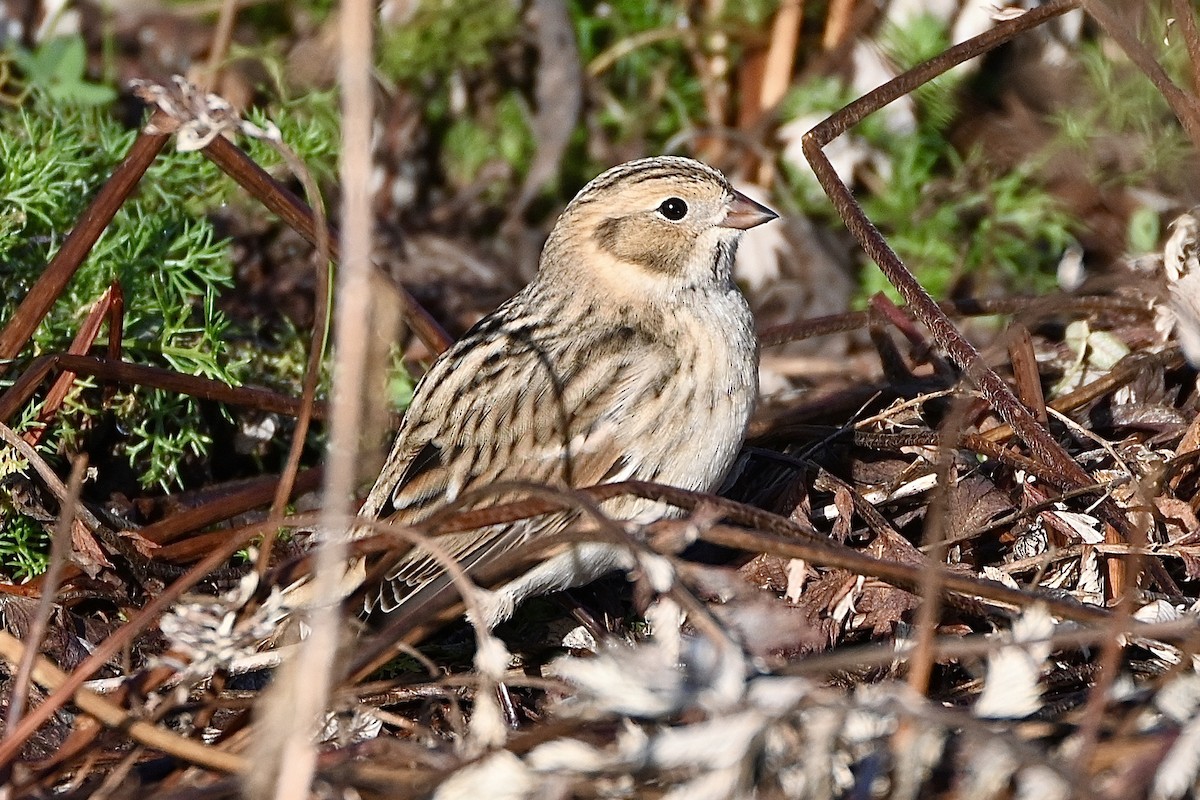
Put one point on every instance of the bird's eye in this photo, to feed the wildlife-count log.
(673, 208)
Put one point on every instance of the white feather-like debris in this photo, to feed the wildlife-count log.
(659, 571)
(1012, 689)
(1157, 611)
(499, 775)
(797, 576)
(1037, 782)
(1178, 774)
(632, 681)
(197, 117)
(691, 716)
(491, 656)
(1181, 264)
(210, 633)
(487, 728)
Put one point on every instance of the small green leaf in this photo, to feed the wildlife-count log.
(1143, 231)
(58, 69)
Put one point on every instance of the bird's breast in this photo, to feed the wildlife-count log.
(705, 403)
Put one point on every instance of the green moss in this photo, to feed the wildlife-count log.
(945, 214)
(443, 36)
(24, 547)
(168, 261)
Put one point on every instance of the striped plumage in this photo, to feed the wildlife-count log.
(631, 355)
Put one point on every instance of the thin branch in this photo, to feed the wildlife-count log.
(75, 248)
(837, 23)
(219, 47)
(300, 695)
(55, 680)
(1066, 472)
(51, 480)
(1185, 107)
(922, 662)
(60, 549)
(318, 342)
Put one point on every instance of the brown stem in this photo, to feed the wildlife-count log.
(85, 337)
(252, 495)
(51, 283)
(1045, 448)
(296, 214)
(219, 47)
(957, 347)
(140, 375)
(1185, 107)
(1185, 18)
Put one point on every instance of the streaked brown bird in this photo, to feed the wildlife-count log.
(631, 355)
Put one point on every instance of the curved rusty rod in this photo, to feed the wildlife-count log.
(999, 395)
(296, 213)
(1044, 447)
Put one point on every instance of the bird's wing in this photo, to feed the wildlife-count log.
(497, 412)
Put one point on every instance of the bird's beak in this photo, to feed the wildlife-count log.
(744, 213)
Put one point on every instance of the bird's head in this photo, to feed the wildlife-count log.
(652, 225)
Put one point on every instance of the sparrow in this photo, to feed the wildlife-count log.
(630, 356)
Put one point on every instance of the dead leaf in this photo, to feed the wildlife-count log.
(973, 502)
(1177, 512)
(140, 543)
(86, 552)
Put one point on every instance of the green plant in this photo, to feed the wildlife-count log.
(947, 215)
(443, 36)
(444, 52)
(160, 247)
(471, 142)
(1127, 132)
(58, 69)
(647, 92)
(24, 547)
(970, 221)
(309, 124)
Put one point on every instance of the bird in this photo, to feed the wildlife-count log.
(631, 355)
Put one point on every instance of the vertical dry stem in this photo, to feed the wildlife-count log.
(60, 548)
(303, 689)
(837, 23)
